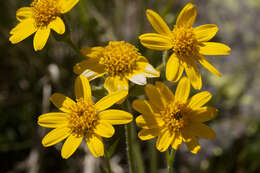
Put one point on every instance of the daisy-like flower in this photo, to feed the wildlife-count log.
(187, 43)
(81, 119)
(174, 118)
(40, 17)
(120, 61)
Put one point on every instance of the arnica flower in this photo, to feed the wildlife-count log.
(40, 17)
(81, 119)
(174, 118)
(120, 61)
(187, 43)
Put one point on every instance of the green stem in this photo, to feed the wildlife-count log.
(164, 60)
(170, 160)
(107, 159)
(168, 6)
(66, 38)
(153, 158)
(160, 67)
(163, 65)
(134, 150)
(165, 57)
(137, 153)
(74, 47)
(129, 145)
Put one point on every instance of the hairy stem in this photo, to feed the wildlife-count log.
(129, 145)
(74, 48)
(107, 159)
(170, 160)
(153, 158)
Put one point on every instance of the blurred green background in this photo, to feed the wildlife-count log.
(28, 78)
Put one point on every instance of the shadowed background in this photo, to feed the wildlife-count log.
(28, 79)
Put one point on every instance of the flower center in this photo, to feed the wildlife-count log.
(83, 117)
(185, 43)
(173, 117)
(44, 11)
(119, 58)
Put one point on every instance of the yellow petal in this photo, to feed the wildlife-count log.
(115, 117)
(95, 145)
(148, 122)
(186, 134)
(158, 23)
(53, 119)
(92, 52)
(82, 88)
(202, 130)
(164, 141)
(40, 38)
(146, 134)
(67, 5)
(140, 122)
(183, 90)
(205, 32)
(149, 116)
(199, 99)
(70, 146)
(24, 13)
(203, 61)
(204, 114)
(113, 84)
(142, 59)
(212, 48)
(62, 102)
(110, 100)
(91, 75)
(57, 25)
(187, 16)
(174, 68)
(89, 64)
(55, 136)
(177, 141)
(155, 108)
(138, 77)
(156, 41)
(22, 31)
(143, 107)
(154, 96)
(147, 69)
(165, 92)
(193, 74)
(193, 145)
(105, 129)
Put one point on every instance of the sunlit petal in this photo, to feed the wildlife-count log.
(158, 23)
(70, 146)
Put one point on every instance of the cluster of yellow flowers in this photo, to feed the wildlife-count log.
(173, 119)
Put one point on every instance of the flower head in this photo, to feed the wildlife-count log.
(188, 44)
(83, 118)
(120, 61)
(174, 118)
(40, 17)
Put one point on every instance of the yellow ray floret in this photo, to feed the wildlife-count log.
(120, 61)
(187, 43)
(174, 118)
(83, 118)
(40, 18)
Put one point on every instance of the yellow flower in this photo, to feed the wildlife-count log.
(120, 61)
(40, 17)
(174, 118)
(189, 44)
(82, 118)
